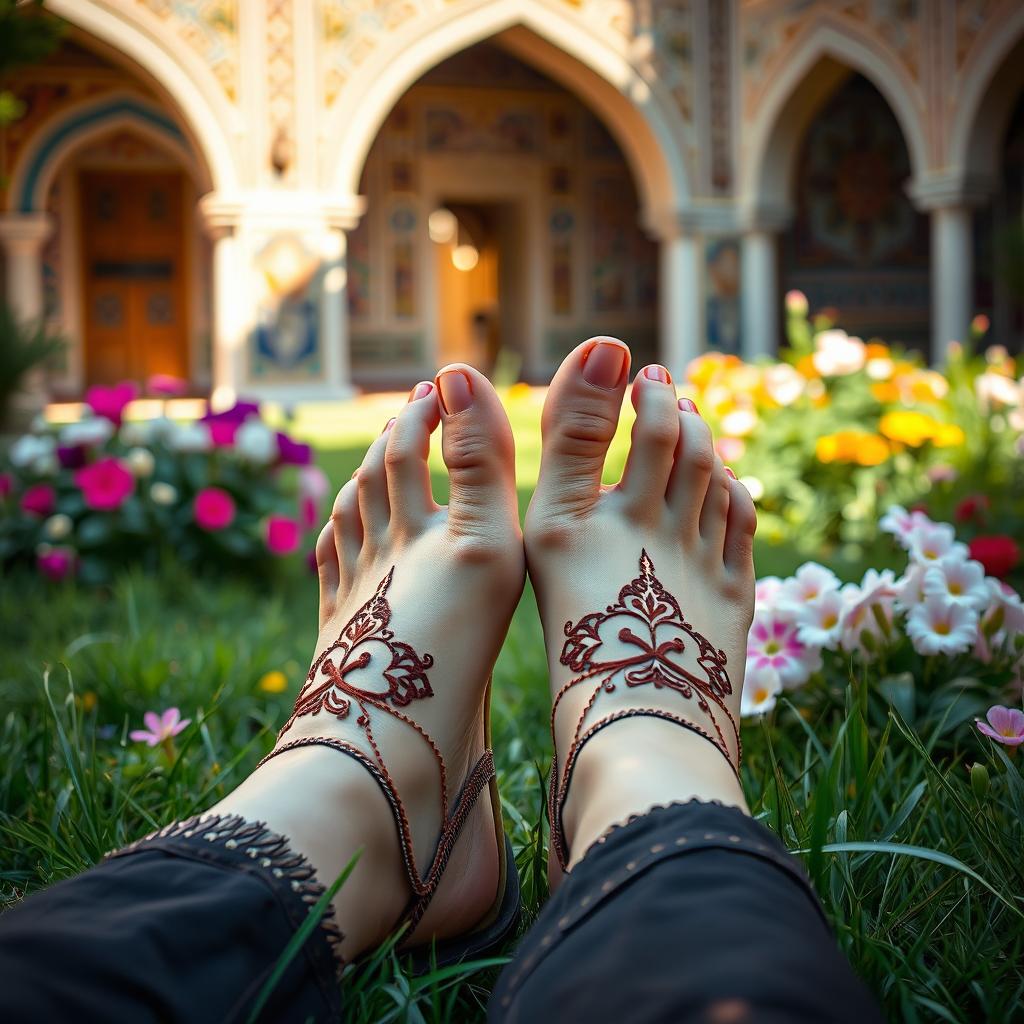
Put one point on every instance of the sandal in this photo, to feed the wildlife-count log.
(327, 690)
(649, 619)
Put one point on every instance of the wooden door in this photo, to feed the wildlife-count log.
(133, 241)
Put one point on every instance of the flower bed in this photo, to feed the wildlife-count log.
(838, 430)
(226, 491)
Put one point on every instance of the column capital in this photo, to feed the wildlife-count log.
(710, 217)
(946, 189)
(771, 218)
(25, 230)
(221, 213)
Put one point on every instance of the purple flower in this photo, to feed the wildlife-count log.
(56, 563)
(159, 728)
(238, 413)
(1005, 725)
(71, 456)
(293, 453)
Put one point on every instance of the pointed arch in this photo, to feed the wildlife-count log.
(645, 122)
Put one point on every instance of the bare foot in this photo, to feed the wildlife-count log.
(415, 601)
(646, 593)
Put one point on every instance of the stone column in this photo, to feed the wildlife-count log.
(22, 236)
(949, 200)
(334, 315)
(680, 311)
(221, 219)
(760, 309)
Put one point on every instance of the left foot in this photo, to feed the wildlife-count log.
(415, 601)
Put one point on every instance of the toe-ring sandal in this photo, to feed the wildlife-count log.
(652, 634)
(402, 680)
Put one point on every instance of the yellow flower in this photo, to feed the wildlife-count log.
(274, 681)
(852, 446)
(89, 700)
(519, 390)
(948, 435)
(912, 428)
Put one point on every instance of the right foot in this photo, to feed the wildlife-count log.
(677, 503)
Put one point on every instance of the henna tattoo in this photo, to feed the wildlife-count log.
(364, 644)
(368, 666)
(640, 641)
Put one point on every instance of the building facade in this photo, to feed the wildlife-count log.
(286, 198)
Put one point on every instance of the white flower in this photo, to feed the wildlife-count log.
(143, 432)
(820, 623)
(313, 483)
(933, 541)
(140, 462)
(959, 580)
(58, 526)
(162, 493)
(754, 486)
(993, 389)
(190, 437)
(766, 590)
(880, 368)
(901, 523)
(783, 383)
(837, 354)
(1001, 621)
(29, 451)
(256, 442)
(938, 626)
(87, 432)
(760, 688)
(772, 643)
(868, 612)
(807, 584)
(739, 423)
(910, 586)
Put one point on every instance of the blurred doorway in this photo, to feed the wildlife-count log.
(134, 287)
(480, 282)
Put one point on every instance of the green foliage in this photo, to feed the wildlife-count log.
(909, 822)
(23, 347)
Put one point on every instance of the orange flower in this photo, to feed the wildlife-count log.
(805, 364)
(885, 391)
(856, 446)
(876, 350)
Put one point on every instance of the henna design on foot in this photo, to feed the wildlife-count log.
(648, 621)
(367, 665)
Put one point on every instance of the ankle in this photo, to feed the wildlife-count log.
(635, 765)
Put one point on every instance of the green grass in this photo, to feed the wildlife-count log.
(918, 863)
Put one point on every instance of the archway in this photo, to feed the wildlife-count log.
(502, 227)
(107, 180)
(856, 246)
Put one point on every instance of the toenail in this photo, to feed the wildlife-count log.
(603, 365)
(387, 426)
(456, 392)
(686, 405)
(658, 373)
(730, 472)
(420, 391)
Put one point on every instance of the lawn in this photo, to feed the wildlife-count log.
(915, 857)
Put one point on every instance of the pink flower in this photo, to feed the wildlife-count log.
(214, 509)
(902, 524)
(159, 728)
(110, 403)
(283, 535)
(767, 590)
(1005, 725)
(730, 448)
(974, 506)
(772, 643)
(39, 500)
(997, 553)
(313, 485)
(106, 484)
(166, 384)
(56, 563)
(222, 432)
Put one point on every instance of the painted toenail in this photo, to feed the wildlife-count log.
(387, 426)
(658, 373)
(730, 472)
(456, 392)
(686, 405)
(420, 391)
(603, 365)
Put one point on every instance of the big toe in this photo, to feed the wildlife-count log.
(477, 447)
(580, 417)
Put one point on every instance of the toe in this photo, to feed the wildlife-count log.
(328, 571)
(477, 446)
(739, 532)
(405, 459)
(581, 413)
(374, 507)
(653, 443)
(691, 470)
(347, 532)
(715, 512)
